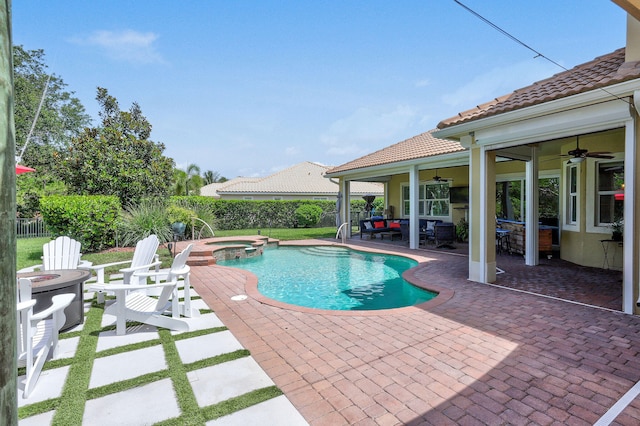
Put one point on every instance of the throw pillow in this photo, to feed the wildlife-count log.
(394, 225)
(368, 225)
(378, 225)
(431, 225)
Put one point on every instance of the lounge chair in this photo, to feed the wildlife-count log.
(37, 336)
(179, 271)
(144, 258)
(61, 253)
(133, 304)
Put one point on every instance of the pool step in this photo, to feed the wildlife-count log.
(201, 257)
(327, 251)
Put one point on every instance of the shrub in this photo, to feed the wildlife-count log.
(308, 215)
(88, 219)
(180, 214)
(139, 221)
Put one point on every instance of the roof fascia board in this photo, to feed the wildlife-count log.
(592, 118)
(632, 7)
(442, 160)
(621, 90)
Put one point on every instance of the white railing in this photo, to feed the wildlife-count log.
(343, 230)
(206, 225)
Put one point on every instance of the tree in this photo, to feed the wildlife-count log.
(194, 181)
(117, 158)
(61, 117)
(179, 182)
(213, 177)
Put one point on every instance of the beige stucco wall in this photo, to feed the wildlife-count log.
(458, 176)
(583, 246)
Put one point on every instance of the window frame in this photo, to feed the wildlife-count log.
(424, 202)
(593, 199)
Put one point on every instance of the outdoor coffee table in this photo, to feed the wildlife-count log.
(46, 284)
(390, 234)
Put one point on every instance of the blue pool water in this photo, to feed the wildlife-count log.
(333, 278)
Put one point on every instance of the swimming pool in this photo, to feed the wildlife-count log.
(333, 278)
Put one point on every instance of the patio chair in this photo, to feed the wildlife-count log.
(134, 305)
(61, 253)
(144, 258)
(179, 271)
(37, 336)
(445, 234)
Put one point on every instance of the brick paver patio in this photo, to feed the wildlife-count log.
(488, 355)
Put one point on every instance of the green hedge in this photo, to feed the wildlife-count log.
(93, 220)
(245, 214)
(90, 219)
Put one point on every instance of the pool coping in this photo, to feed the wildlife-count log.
(444, 294)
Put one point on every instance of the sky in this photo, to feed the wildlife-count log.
(248, 88)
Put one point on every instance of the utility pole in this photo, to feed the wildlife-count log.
(8, 320)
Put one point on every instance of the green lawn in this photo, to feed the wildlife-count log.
(30, 249)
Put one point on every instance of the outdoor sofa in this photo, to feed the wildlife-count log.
(376, 225)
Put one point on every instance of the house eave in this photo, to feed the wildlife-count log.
(460, 158)
(618, 91)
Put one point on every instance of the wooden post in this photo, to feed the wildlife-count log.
(8, 321)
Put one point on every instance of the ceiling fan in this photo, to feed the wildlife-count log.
(438, 178)
(578, 155)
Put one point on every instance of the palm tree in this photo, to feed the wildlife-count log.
(179, 182)
(192, 171)
(213, 177)
(210, 177)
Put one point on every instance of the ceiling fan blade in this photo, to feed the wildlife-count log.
(599, 155)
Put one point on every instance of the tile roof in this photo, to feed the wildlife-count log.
(601, 72)
(302, 178)
(420, 146)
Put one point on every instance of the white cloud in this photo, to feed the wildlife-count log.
(354, 135)
(499, 82)
(423, 83)
(127, 45)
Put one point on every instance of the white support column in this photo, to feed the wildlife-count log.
(630, 250)
(532, 216)
(345, 208)
(414, 199)
(482, 221)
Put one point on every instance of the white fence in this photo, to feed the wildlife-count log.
(31, 228)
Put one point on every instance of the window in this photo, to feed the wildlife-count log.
(433, 199)
(277, 198)
(610, 194)
(320, 198)
(247, 198)
(437, 199)
(572, 195)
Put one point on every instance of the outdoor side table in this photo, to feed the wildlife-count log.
(605, 249)
(46, 284)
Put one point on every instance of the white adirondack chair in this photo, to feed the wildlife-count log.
(144, 258)
(37, 336)
(179, 271)
(134, 305)
(61, 253)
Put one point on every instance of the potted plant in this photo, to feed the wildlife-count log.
(617, 229)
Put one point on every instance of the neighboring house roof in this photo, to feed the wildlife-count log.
(420, 146)
(300, 179)
(211, 190)
(601, 72)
